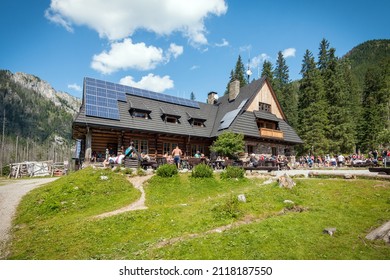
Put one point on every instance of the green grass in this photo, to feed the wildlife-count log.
(55, 222)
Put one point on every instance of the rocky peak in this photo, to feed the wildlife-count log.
(61, 99)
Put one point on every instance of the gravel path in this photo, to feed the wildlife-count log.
(10, 196)
(137, 205)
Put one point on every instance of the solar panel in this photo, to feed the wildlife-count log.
(228, 119)
(101, 99)
(161, 97)
(230, 116)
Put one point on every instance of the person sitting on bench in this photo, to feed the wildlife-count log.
(253, 160)
(114, 160)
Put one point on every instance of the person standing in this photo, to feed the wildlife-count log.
(177, 153)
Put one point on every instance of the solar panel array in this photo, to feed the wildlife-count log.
(161, 97)
(229, 117)
(101, 98)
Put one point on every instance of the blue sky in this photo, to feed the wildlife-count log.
(175, 46)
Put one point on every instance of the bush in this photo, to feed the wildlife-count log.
(232, 172)
(202, 171)
(141, 172)
(6, 170)
(167, 170)
(128, 171)
(116, 169)
(228, 209)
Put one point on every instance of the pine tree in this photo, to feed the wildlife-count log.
(284, 90)
(268, 72)
(323, 57)
(239, 72)
(192, 96)
(341, 132)
(376, 103)
(311, 108)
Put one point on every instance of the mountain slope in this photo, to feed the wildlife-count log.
(33, 109)
(369, 54)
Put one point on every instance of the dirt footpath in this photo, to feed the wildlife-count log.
(10, 195)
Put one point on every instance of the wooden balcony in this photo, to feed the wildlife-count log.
(272, 133)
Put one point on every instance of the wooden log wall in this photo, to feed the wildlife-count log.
(101, 139)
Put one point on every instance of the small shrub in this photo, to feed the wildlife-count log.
(227, 210)
(141, 172)
(233, 172)
(116, 169)
(6, 170)
(167, 170)
(202, 171)
(128, 171)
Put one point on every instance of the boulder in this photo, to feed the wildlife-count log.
(382, 232)
(329, 231)
(349, 176)
(242, 198)
(285, 181)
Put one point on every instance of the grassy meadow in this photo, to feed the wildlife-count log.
(201, 219)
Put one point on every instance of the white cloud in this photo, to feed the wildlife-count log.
(258, 60)
(290, 52)
(119, 19)
(194, 67)
(58, 19)
(125, 55)
(246, 48)
(75, 87)
(224, 43)
(149, 82)
(175, 50)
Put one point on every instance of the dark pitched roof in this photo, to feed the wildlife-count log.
(243, 121)
(155, 123)
(228, 110)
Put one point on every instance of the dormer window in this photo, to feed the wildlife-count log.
(169, 115)
(264, 107)
(139, 110)
(197, 122)
(171, 119)
(140, 115)
(195, 119)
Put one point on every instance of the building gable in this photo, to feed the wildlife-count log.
(265, 100)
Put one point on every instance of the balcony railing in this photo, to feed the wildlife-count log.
(272, 133)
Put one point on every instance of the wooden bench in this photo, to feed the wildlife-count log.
(192, 162)
(380, 170)
(152, 163)
(131, 163)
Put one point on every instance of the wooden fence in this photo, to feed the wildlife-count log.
(38, 168)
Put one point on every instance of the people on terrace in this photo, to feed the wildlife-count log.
(114, 160)
(177, 153)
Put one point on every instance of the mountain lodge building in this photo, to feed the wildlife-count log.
(112, 115)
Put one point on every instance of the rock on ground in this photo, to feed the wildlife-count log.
(382, 232)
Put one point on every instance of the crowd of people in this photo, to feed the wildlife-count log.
(178, 158)
(372, 158)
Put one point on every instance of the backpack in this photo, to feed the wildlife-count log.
(128, 151)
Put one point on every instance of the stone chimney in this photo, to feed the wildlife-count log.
(212, 97)
(234, 89)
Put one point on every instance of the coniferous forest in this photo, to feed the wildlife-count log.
(341, 104)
